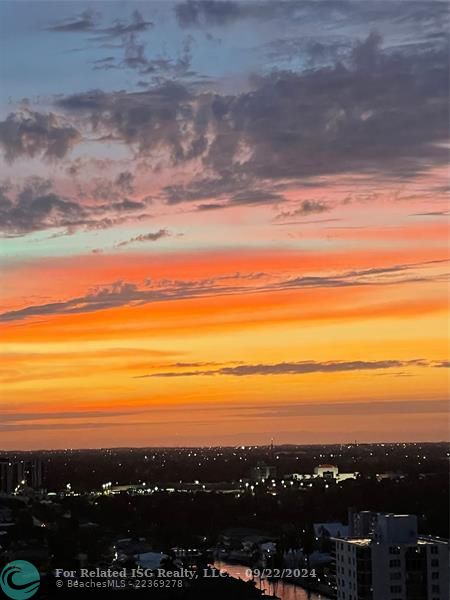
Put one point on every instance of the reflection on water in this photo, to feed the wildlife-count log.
(284, 591)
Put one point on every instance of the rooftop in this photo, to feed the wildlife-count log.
(367, 541)
(356, 541)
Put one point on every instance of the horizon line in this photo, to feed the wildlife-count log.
(228, 446)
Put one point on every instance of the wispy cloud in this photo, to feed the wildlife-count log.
(432, 213)
(306, 207)
(343, 408)
(151, 417)
(146, 237)
(296, 368)
(83, 22)
(88, 21)
(122, 293)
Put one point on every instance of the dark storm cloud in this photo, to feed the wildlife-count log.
(121, 293)
(36, 207)
(296, 368)
(31, 134)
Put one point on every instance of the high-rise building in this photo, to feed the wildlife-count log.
(16, 473)
(361, 524)
(6, 477)
(388, 560)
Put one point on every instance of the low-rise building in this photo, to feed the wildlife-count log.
(325, 472)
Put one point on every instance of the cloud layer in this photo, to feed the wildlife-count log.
(122, 293)
(381, 113)
(299, 368)
(37, 207)
(30, 134)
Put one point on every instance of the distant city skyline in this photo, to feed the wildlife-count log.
(223, 222)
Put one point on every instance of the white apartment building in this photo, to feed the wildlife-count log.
(392, 562)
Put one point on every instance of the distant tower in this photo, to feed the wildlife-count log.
(271, 450)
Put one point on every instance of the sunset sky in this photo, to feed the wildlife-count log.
(223, 222)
